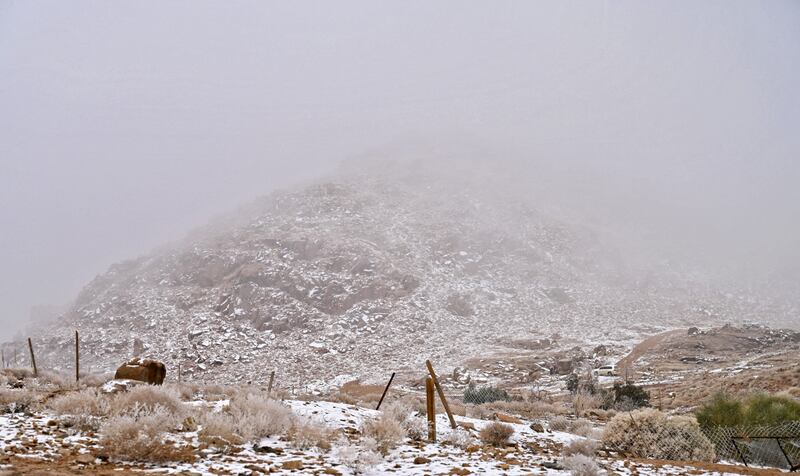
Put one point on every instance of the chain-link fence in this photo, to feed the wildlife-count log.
(776, 446)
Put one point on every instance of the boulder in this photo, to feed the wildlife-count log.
(150, 371)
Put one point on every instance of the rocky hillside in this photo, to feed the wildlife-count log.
(370, 271)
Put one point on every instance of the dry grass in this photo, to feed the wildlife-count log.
(496, 434)
(558, 423)
(525, 409)
(95, 379)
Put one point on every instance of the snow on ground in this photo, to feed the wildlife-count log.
(39, 437)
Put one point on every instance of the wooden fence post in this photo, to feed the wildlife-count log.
(431, 408)
(384, 392)
(269, 387)
(77, 359)
(33, 359)
(441, 394)
(179, 372)
(3, 352)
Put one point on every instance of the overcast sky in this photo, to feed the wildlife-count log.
(124, 124)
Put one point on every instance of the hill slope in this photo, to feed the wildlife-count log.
(370, 271)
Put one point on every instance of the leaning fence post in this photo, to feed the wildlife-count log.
(384, 392)
(3, 353)
(179, 372)
(33, 359)
(741, 455)
(269, 387)
(431, 409)
(441, 394)
(77, 359)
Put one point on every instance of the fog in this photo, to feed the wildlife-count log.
(125, 124)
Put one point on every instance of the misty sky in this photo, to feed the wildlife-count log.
(124, 124)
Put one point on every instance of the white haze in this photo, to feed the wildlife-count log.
(124, 124)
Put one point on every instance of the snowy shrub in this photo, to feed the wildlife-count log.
(138, 435)
(95, 379)
(583, 446)
(358, 458)
(218, 430)
(460, 438)
(386, 430)
(496, 433)
(648, 433)
(148, 397)
(582, 402)
(82, 409)
(581, 427)
(416, 427)
(526, 409)
(581, 465)
(256, 416)
(17, 400)
(306, 433)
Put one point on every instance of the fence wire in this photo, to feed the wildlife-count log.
(777, 446)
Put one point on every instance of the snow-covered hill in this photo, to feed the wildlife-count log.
(370, 271)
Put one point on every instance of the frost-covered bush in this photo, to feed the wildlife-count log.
(581, 465)
(496, 433)
(139, 435)
(584, 446)
(83, 409)
(306, 433)
(256, 416)
(460, 438)
(148, 397)
(648, 433)
(386, 430)
(218, 430)
(360, 459)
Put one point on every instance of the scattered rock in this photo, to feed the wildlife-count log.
(421, 460)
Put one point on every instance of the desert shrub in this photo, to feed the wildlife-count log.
(496, 433)
(627, 397)
(138, 435)
(184, 391)
(558, 423)
(525, 409)
(387, 432)
(758, 409)
(360, 459)
(54, 381)
(218, 430)
(583, 401)
(581, 465)
(460, 438)
(581, 427)
(17, 400)
(648, 433)
(256, 416)
(95, 379)
(306, 433)
(416, 427)
(583, 446)
(485, 394)
(82, 409)
(148, 397)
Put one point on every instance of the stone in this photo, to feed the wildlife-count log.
(537, 427)
(293, 464)
(85, 458)
(421, 460)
